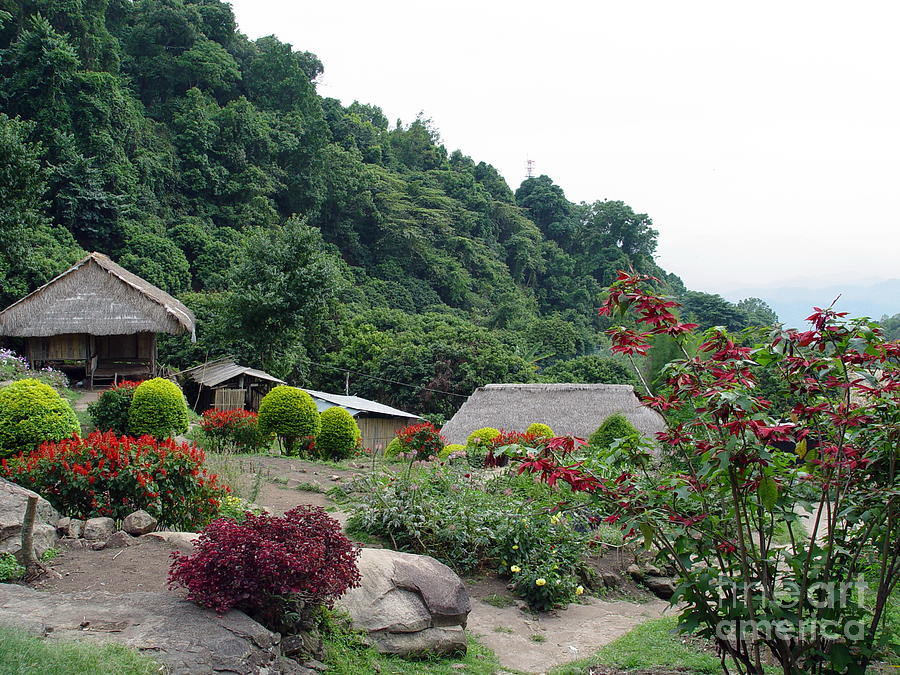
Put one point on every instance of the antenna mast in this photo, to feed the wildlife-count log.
(529, 168)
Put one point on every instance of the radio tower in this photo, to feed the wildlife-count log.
(529, 168)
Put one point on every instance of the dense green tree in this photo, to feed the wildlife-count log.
(590, 369)
(710, 309)
(758, 312)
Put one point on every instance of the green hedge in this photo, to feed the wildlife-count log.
(339, 435)
(32, 412)
(289, 413)
(614, 427)
(540, 430)
(482, 436)
(158, 409)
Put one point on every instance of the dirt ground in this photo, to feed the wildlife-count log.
(508, 630)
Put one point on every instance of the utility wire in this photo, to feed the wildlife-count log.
(382, 379)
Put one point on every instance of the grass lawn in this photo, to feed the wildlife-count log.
(22, 654)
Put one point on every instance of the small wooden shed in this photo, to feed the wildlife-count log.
(96, 317)
(224, 385)
(378, 423)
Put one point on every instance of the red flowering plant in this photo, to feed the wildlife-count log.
(277, 569)
(233, 431)
(108, 475)
(420, 442)
(784, 530)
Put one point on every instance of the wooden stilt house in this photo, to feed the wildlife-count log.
(96, 317)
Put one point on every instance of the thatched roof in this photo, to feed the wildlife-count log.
(569, 409)
(214, 373)
(98, 297)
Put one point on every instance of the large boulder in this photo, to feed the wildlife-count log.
(99, 529)
(408, 604)
(138, 523)
(13, 500)
(182, 636)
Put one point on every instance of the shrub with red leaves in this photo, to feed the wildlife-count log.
(423, 441)
(108, 475)
(233, 430)
(269, 566)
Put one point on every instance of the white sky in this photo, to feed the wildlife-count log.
(762, 138)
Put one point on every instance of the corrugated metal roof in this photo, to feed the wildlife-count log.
(355, 404)
(215, 372)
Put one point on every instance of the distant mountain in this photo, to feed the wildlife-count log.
(793, 304)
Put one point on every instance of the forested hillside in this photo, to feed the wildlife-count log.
(309, 238)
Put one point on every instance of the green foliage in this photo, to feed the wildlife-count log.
(289, 413)
(158, 409)
(613, 428)
(708, 309)
(339, 435)
(32, 412)
(111, 409)
(590, 369)
(450, 449)
(393, 449)
(482, 436)
(10, 569)
(540, 430)
(22, 654)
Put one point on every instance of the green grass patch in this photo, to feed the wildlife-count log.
(345, 654)
(22, 654)
(497, 600)
(10, 569)
(652, 644)
(310, 487)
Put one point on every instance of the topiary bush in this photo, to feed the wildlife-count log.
(158, 409)
(482, 436)
(32, 412)
(289, 413)
(614, 427)
(279, 570)
(452, 449)
(110, 411)
(339, 435)
(107, 475)
(539, 430)
(393, 449)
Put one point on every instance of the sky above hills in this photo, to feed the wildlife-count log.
(762, 139)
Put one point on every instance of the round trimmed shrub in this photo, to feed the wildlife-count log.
(482, 436)
(32, 412)
(339, 435)
(450, 449)
(393, 448)
(614, 427)
(110, 411)
(539, 430)
(289, 413)
(158, 409)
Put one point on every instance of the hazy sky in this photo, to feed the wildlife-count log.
(762, 138)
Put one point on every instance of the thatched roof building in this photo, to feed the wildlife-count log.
(225, 385)
(569, 409)
(98, 313)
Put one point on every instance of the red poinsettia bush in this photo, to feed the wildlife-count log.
(782, 521)
(268, 566)
(109, 475)
(233, 431)
(420, 441)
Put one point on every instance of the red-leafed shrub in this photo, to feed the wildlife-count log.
(269, 566)
(233, 431)
(108, 475)
(422, 441)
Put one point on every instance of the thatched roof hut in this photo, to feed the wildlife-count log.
(569, 409)
(223, 384)
(99, 313)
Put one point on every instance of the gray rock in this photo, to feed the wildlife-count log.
(404, 599)
(610, 579)
(185, 638)
(120, 540)
(661, 587)
(180, 540)
(635, 572)
(70, 527)
(99, 529)
(13, 500)
(138, 523)
(653, 571)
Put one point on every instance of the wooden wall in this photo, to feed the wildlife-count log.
(377, 432)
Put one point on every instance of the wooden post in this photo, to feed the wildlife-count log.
(26, 556)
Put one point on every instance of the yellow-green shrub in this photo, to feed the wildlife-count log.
(289, 413)
(393, 449)
(540, 430)
(32, 412)
(482, 436)
(450, 449)
(158, 409)
(339, 434)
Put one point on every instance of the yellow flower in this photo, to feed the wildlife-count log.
(515, 547)
(555, 518)
(579, 590)
(540, 582)
(515, 568)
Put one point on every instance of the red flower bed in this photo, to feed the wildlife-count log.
(233, 430)
(108, 475)
(424, 440)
